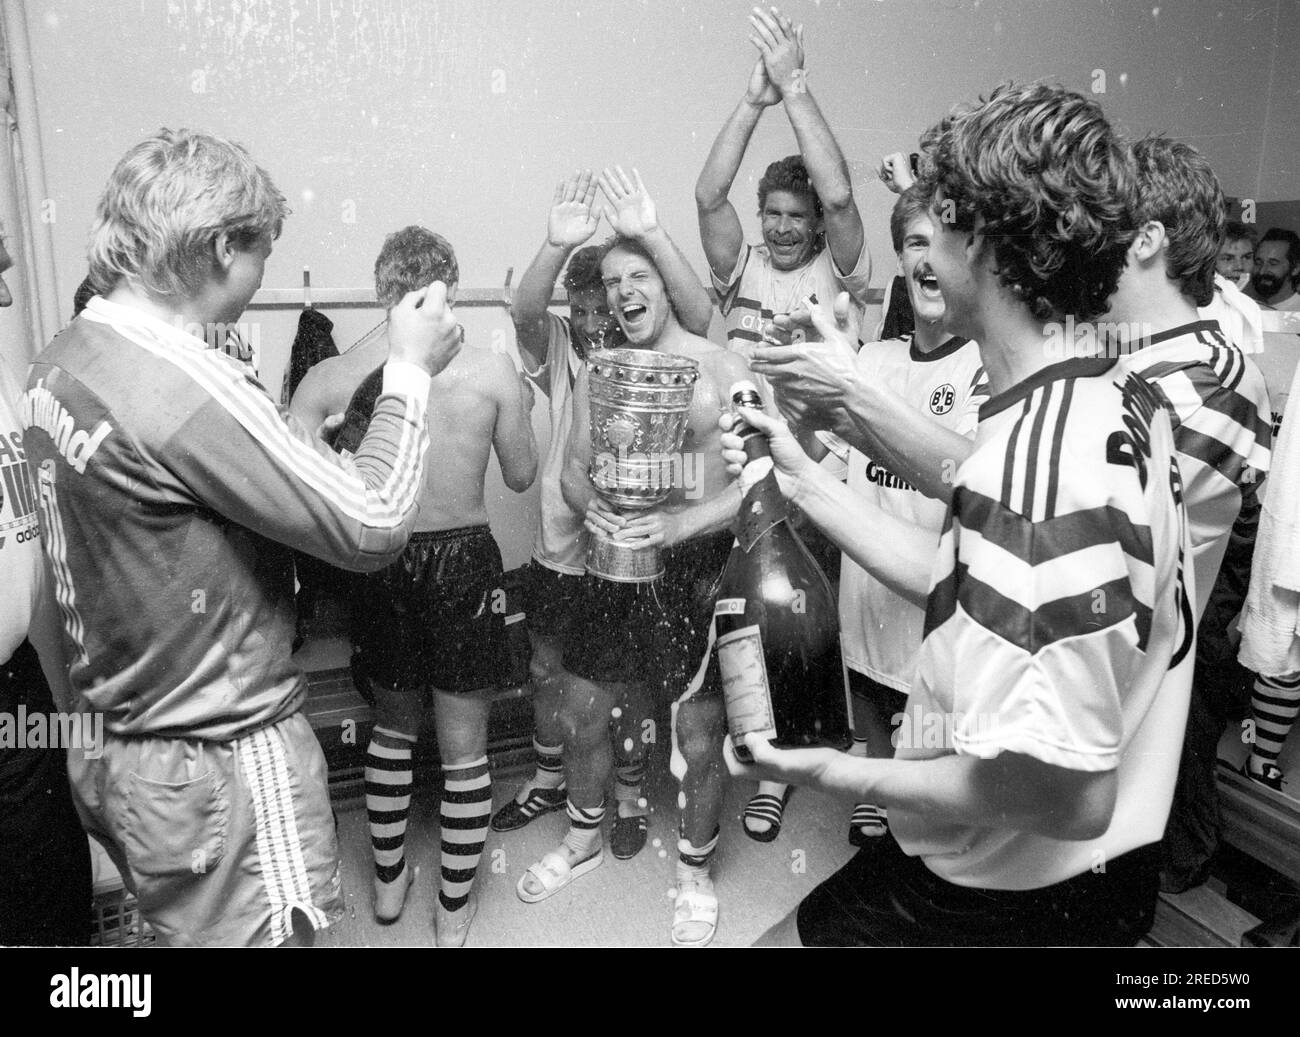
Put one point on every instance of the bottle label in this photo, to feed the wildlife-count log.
(744, 683)
(729, 607)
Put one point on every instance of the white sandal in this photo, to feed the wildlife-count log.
(553, 872)
(694, 905)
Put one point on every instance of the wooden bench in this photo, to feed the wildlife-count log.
(1201, 917)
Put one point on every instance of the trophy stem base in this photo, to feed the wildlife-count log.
(610, 560)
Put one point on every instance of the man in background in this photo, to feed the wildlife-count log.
(1277, 266)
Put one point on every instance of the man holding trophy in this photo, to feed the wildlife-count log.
(642, 465)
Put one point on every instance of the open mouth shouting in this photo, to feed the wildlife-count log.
(635, 318)
(927, 285)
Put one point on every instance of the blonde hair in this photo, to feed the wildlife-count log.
(168, 200)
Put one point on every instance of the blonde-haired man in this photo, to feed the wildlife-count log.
(171, 490)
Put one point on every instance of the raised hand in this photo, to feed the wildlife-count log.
(572, 220)
(631, 211)
(895, 172)
(761, 93)
(780, 43)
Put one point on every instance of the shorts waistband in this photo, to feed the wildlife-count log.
(434, 535)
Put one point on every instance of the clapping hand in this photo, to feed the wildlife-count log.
(761, 93)
(810, 379)
(631, 210)
(572, 221)
(780, 43)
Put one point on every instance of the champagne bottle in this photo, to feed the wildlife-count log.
(776, 620)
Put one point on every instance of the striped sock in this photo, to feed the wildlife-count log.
(464, 813)
(388, 799)
(550, 766)
(1275, 702)
(583, 837)
(627, 789)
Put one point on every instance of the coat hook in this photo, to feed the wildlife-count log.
(506, 293)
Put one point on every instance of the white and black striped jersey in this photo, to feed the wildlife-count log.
(1059, 623)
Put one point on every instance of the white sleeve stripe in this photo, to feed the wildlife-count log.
(381, 508)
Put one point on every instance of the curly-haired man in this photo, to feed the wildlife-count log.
(1036, 760)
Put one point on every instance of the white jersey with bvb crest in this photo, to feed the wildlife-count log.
(1060, 619)
(880, 630)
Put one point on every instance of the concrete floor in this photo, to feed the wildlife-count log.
(621, 903)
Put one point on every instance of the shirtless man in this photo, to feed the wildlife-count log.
(553, 349)
(430, 629)
(655, 632)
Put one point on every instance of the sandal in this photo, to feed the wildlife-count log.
(539, 801)
(868, 822)
(553, 873)
(1271, 778)
(766, 807)
(693, 905)
(628, 836)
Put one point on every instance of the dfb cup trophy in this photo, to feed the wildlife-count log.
(639, 405)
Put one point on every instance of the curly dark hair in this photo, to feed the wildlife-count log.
(1177, 187)
(583, 271)
(788, 174)
(412, 258)
(1053, 185)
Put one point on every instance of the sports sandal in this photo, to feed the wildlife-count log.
(766, 807)
(1271, 778)
(694, 907)
(868, 822)
(553, 873)
(539, 801)
(628, 836)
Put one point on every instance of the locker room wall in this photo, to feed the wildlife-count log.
(462, 114)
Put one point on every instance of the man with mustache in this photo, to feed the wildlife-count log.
(1277, 266)
(813, 243)
(940, 378)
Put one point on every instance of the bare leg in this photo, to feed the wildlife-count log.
(586, 708)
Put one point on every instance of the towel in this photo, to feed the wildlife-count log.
(1238, 315)
(1270, 627)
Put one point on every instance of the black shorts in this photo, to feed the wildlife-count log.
(436, 617)
(884, 898)
(655, 632)
(550, 598)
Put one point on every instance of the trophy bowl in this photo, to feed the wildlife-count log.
(639, 403)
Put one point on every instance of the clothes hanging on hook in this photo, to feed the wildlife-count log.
(313, 343)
